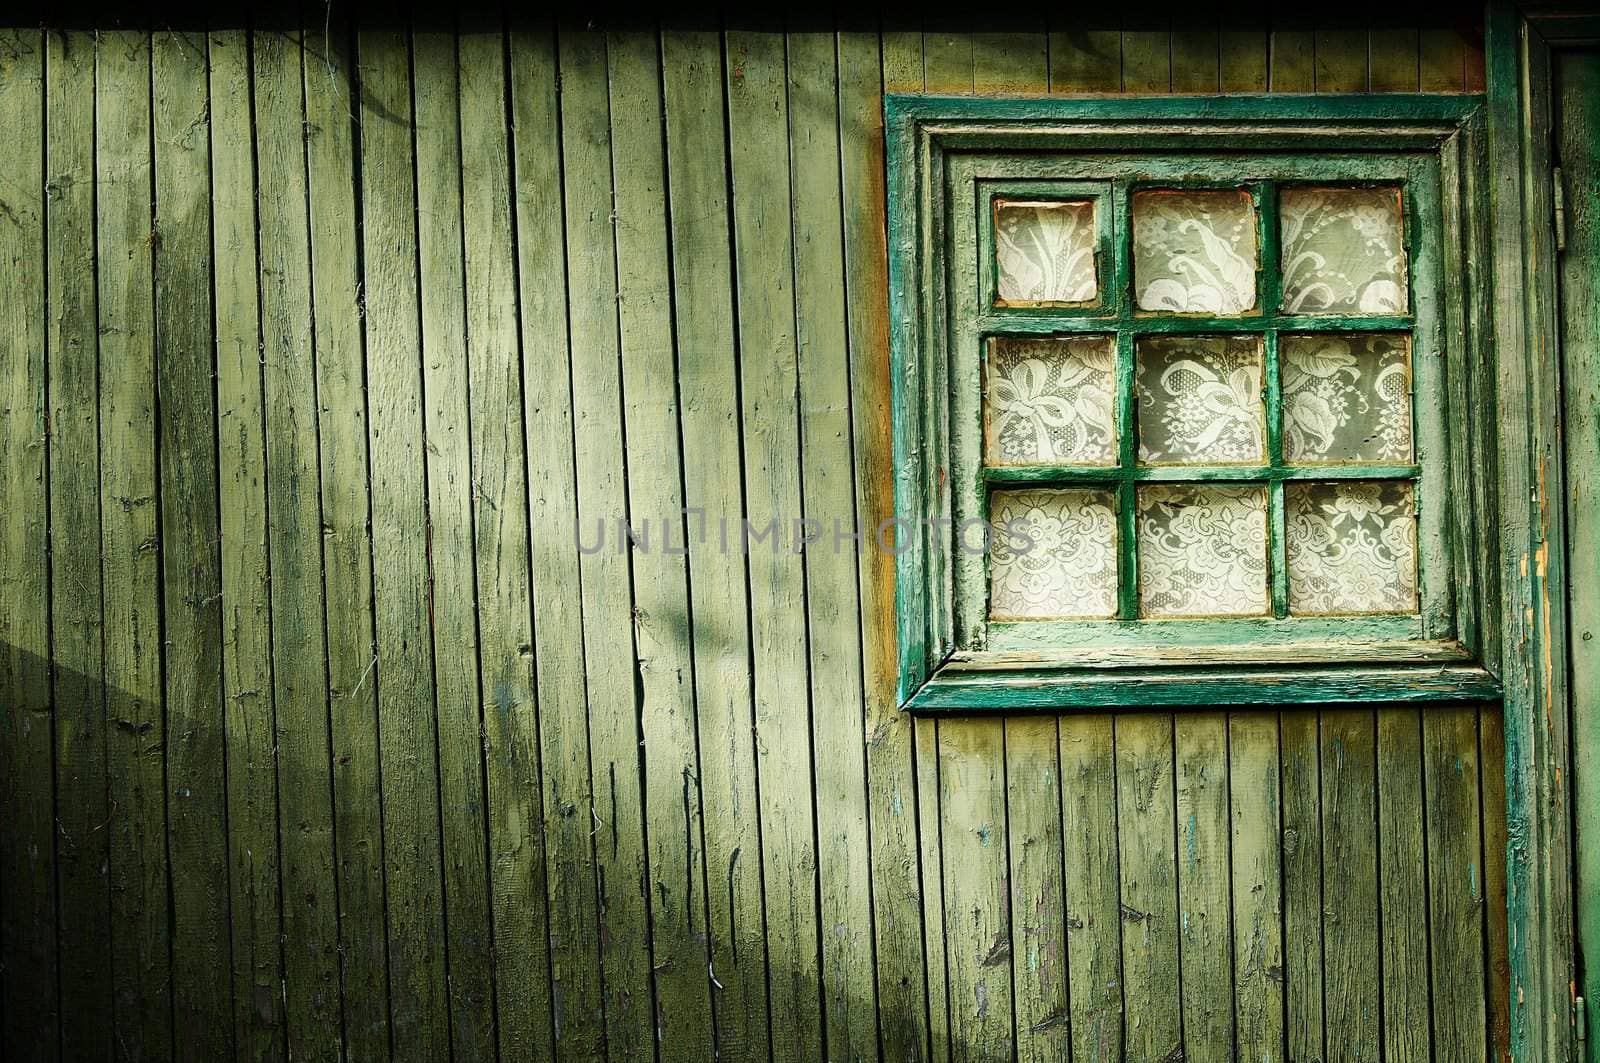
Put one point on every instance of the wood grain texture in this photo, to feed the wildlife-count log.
(426, 780)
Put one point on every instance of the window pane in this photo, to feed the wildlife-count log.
(1194, 252)
(1351, 547)
(1053, 554)
(1202, 550)
(1343, 251)
(1050, 400)
(1346, 398)
(1044, 252)
(1200, 400)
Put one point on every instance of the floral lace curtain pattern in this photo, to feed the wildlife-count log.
(1044, 253)
(1203, 541)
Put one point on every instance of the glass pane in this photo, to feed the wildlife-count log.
(1346, 398)
(1195, 252)
(1050, 400)
(1344, 251)
(1044, 252)
(1351, 547)
(1053, 554)
(1200, 400)
(1202, 550)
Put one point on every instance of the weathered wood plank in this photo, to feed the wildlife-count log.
(190, 561)
(769, 375)
(1011, 62)
(1395, 59)
(246, 595)
(1441, 60)
(28, 1003)
(353, 677)
(294, 540)
(661, 622)
(1146, 836)
(832, 610)
(1302, 885)
(1196, 59)
(452, 544)
(1455, 882)
(1085, 60)
(978, 940)
(1293, 61)
(1146, 60)
(1497, 960)
(1402, 880)
(1205, 911)
(1038, 890)
(705, 322)
(508, 708)
(1243, 58)
(1093, 876)
(130, 546)
(82, 850)
(947, 61)
(1341, 63)
(1255, 798)
(1350, 935)
(890, 780)
(428, 1019)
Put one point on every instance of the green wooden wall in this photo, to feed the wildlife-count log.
(320, 737)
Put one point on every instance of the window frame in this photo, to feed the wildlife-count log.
(948, 159)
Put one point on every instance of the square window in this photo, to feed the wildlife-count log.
(1351, 547)
(1202, 550)
(1053, 554)
(1346, 398)
(1194, 252)
(1200, 400)
(1344, 251)
(1044, 252)
(1049, 401)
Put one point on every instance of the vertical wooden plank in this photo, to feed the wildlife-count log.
(708, 389)
(1476, 73)
(832, 610)
(246, 596)
(1146, 834)
(1093, 876)
(665, 669)
(131, 546)
(769, 376)
(1196, 58)
(1257, 857)
(1205, 911)
(978, 946)
(500, 521)
(1038, 894)
(452, 543)
(72, 335)
(190, 561)
(1302, 885)
(427, 1018)
(1146, 60)
(1395, 57)
(1293, 59)
(1350, 933)
(28, 1004)
(947, 67)
(1455, 882)
(1491, 767)
(1085, 60)
(353, 675)
(897, 889)
(1243, 58)
(1341, 61)
(1441, 60)
(1403, 884)
(1011, 62)
(294, 542)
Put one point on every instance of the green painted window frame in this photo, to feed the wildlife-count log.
(949, 158)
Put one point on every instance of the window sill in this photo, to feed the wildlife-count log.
(976, 685)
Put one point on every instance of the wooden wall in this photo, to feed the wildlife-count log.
(319, 737)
